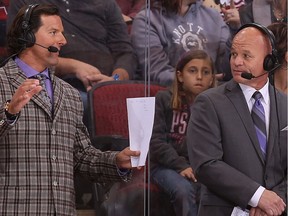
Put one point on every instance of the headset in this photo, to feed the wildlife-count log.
(271, 60)
(27, 38)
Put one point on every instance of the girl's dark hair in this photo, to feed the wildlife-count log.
(172, 5)
(177, 88)
(169, 5)
(279, 30)
(16, 30)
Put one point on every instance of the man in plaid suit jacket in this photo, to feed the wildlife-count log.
(40, 149)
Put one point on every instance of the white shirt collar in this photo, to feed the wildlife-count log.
(248, 91)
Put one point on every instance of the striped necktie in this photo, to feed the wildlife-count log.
(258, 116)
(43, 93)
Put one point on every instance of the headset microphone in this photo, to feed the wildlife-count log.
(250, 76)
(52, 49)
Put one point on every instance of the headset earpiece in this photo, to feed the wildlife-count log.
(270, 60)
(27, 38)
(25, 25)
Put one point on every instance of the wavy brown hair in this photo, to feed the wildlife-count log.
(279, 29)
(16, 30)
(169, 5)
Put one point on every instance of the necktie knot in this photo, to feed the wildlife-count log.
(257, 95)
(41, 77)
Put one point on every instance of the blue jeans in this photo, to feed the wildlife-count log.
(183, 194)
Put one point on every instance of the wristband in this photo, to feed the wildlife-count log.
(9, 115)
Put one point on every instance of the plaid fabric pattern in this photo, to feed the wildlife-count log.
(39, 154)
(43, 92)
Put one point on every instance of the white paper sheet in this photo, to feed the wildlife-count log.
(285, 128)
(140, 123)
(237, 211)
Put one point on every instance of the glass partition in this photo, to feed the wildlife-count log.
(165, 37)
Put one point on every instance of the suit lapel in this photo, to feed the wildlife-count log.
(273, 124)
(17, 77)
(57, 96)
(235, 95)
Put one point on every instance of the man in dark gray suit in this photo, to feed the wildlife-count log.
(238, 175)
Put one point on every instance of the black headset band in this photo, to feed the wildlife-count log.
(265, 31)
(27, 16)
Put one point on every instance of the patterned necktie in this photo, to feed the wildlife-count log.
(43, 93)
(258, 116)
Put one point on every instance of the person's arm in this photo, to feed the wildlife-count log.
(118, 41)
(160, 68)
(98, 166)
(231, 16)
(68, 66)
(205, 137)
(83, 71)
(216, 152)
(135, 8)
(123, 158)
(222, 60)
(87, 73)
(246, 14)
(270, 203)
(10, 109)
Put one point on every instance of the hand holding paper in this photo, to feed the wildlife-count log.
(140, 123)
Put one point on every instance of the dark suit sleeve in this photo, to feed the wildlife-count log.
(207, 153)
(280, 148)
(246, 14)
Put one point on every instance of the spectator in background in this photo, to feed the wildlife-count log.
(227, 3)
(279, 29)
(264, 12)
(230, 13)
(170, 167)
(42, 149)
(176, 27)
(129, 9)
(218, 4)
(98, 49)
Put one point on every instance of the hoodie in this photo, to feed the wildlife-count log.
(171, 35)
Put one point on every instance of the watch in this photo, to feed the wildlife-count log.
(9, 116)
(116, 77)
